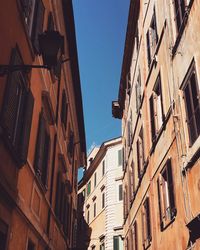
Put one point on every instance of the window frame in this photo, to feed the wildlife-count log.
(146, 224)
(166, 195)
(188, 83)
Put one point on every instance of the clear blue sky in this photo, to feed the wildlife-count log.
(100, 33)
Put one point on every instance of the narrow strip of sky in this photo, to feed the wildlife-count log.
(100, 33)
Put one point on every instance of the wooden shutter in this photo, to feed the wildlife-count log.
(138, 159)
(160, 202)
(58, 194)
(39, 154)
(170, 186)
(71, 144)
(27, 126)
(46, 155)
(148, 219)
(148, 48)
(153, 128)
(64, 109)
(62, 200)
(37, 24)
(132, 179)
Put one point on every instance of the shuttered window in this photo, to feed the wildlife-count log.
(156, 109)
(103, 200)
(138, 93)
(151, 38)
(16, 117)
(42, 151)
(64, 110)
(146, 224)
(135, 236)
(88, 188)
(120, 157)
(166, 195)
(180, 10)
(192, 103)
(120, 191)
(33, 11)
(71, 144)
(140, 154)
(132, 181)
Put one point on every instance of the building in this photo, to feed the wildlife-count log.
(101, 188)
(42, 135)
(158, 102)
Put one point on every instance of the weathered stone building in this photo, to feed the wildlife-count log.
(159, 105)
(42, 136)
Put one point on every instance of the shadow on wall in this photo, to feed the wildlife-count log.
(83, 229)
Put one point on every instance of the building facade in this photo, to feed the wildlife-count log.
(159, 105)
(101, 188)
(42, 136)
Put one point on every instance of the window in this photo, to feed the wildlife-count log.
(120, 157)
(70, 147)
(180, 10)
(140, 154)
(166, 195)
(64, 110)
(102, 246)
(103, 167)
(120, 192)
(88, 216)
(33, 12)
(192, 103)
(88, 188)
(16, 116)
(146, 226)
(42, 150)
(30, 246)
(95, 209)
(135, 236)
(103, 200)
(83, 194)
(151, 38)
(131, 181)
(3, 234)
(156, 109)
(138, 93)
(95, 179)
(117, 243)
(125, 200)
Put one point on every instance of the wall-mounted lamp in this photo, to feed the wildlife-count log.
(51, 48)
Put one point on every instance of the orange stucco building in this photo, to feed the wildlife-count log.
(42, 135)
(159, 105)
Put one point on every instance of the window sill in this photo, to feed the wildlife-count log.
(166, 223)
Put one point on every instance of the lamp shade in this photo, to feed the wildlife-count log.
(51, 47)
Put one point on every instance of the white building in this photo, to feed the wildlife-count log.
(102, 190)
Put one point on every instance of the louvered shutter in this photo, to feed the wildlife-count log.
(39, 155)
(171, 187)
(62, 194)
(71, 144)
(46, 155)
(148, 48)
(11, 99)
(37, 24)
(148, 219)
(64, 109)
(153, 129)
(132, 180)
(26, 126)
(58, 194)
(160, 202)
